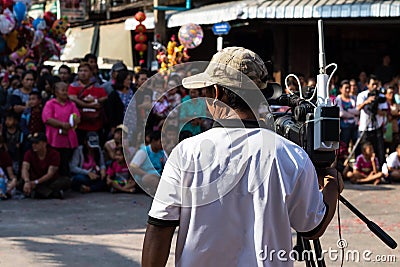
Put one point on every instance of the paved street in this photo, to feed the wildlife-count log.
(104, 229)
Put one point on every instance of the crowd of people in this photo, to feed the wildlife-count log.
(62, 130)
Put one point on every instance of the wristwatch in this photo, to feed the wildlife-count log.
(36, 181)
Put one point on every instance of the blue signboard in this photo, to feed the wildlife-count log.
(221, 28)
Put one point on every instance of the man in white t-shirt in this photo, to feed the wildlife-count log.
(236, 190)
(372, 119)
(392, 167)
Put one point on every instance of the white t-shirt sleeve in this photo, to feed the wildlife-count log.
(392, 161)
(167, 201)
(139, 158)
(305, 203)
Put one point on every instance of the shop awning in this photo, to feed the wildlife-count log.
(285, 9)
(115, 43)
(79, 43)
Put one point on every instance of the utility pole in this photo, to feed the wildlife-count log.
(159, 21)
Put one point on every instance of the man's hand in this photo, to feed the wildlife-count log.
(93, 176)
(28, 186)
(329, 175)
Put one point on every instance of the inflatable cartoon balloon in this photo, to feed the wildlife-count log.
(12, 40)
(37, 38)
(39, 24)
(7, 22)
(49, 18)
(59, 27)
(190, 35)
(28, 3)
(19, 11)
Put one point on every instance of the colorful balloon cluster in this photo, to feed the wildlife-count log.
(26, 40)
(171, 55)
(140, 37)
(190, 35)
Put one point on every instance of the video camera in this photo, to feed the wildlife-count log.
(379, 98)
(314, 123)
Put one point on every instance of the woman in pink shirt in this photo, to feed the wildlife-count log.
(61, 116)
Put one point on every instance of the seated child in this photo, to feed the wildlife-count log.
(392, 166)
(118, 176)
(366, 167)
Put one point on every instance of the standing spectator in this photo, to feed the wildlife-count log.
(28, 80)
(87, 166)
(119, 99)
(372, 117)
(92, 60)
(31, 118)
(7, 166)
(89, 98)
(385, 72)
(348, 112)
(65, 74)
(392, 125)
(140, 78)
(45, 86)
(115, 69)
(353, 89)
(362, 82)
(61, 116)
(40, 170)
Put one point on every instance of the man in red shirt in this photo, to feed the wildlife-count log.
(40, 170)
(89, 97)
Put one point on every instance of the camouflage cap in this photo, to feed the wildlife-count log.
(227, 67)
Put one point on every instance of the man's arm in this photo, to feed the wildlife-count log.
(156, 246)
(50, 174)
(332, 186)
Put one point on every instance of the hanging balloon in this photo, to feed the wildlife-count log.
(140, 16)
(18, 56)
(140, 28)
(12, 40)
(37, 38)
(39, 24)
(140, 38)
(59, 27)
(7, 4)
(3, 45)
(49, 18)
(190, 35)
(19, 11)
(28, 3)
(7, 22)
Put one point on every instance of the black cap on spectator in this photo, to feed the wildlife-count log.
(119, 66)
(37, 137)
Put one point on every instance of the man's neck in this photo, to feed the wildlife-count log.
(42, 153)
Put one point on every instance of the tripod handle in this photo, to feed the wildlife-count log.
(371, 225)
(382, 235)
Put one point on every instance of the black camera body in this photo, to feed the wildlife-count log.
(372, 108)
(308, 125)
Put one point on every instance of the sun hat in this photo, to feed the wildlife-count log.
(232, 67)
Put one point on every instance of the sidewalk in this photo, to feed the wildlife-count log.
(103, 229)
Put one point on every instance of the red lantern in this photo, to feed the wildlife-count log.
(140, 47)
(140, 16)
(140, 28)
(140, 38)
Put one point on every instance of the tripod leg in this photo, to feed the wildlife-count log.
(318, 253)
(308, 257)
